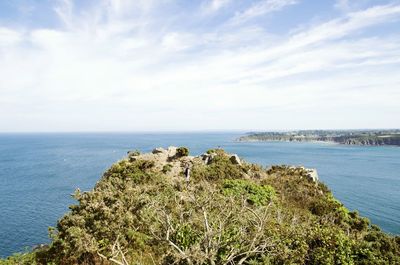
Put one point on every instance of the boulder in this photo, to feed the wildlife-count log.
(235, 160)
(171, 151)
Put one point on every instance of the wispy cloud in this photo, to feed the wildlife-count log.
(348, 24)
(261, 8)
(106, 69)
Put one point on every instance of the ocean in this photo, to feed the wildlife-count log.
(39, 172)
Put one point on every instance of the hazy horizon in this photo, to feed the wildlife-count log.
(194, 131)
(198, 66)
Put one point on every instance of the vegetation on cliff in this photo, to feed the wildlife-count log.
(145, 210)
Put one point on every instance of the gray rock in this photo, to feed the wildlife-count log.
(171, 151)
(235, 159)
(313, 175)
(159, 150)
(208, 158)
(132, 158)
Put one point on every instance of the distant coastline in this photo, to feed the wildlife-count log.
(345, 137)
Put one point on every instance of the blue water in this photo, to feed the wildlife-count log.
(38, 172)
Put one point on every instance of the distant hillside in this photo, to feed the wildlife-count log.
(356, 137)
(167, 207)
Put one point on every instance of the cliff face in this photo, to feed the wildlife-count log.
(369, 141)
(167, 207)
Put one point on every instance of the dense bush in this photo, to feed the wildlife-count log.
(220, 168)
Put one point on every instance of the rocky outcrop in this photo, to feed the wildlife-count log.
(313, 174)
(207, 158)
(167, 161)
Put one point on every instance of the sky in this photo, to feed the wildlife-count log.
(165, 65)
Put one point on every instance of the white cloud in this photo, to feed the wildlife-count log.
(175, 41)
(145, 73)
(260, 8)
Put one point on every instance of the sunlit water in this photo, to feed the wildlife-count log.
(38, 172)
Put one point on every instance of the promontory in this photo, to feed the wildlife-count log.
(167, 207)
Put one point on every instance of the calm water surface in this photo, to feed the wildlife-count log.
(38, 172)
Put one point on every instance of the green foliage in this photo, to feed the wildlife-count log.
(330, 246)
(182, 151)
(138, 239)
(186, 236)
(378, 248)
(328, 204)
(357, 222)
(252, 192)
(220, 168)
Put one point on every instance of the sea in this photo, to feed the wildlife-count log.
(39, 172)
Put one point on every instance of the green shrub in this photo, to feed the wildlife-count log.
(252, 192)
(186, 236)
(330, 246)
(328, 204)
(214, 151)
(220, 168)
(182, 151)
(138, 171)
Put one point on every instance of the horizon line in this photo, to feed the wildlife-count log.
(195, 131)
